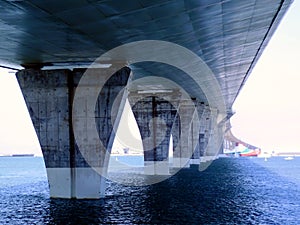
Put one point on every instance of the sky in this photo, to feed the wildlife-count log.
(267, 109)
(17, 134)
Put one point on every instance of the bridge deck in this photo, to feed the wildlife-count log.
(228, 35)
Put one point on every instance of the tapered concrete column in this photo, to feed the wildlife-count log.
(212, 138)
(154, 115)
(49, 97)
(189, 129)
(194, 139)
(99, 109)
(204, 130)
(213, 144)
(195, 159)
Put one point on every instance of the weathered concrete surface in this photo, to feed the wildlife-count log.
(215, 135)
(184, 150)
(49, 96)
(106, 118)
(100, 109)
(155, 116)
(195, 134)
(204, 133)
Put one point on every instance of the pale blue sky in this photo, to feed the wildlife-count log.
(17, 134)
(267, 109)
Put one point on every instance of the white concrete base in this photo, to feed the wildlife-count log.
(80, 183)
(207, 158)
(156, 168)
(194, 161)
(59, 180)
(88, 184)
(181, 162)
(162, 168)
(204, 165)
(205, 162)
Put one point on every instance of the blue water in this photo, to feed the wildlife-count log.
(135, 160)
(230, 191)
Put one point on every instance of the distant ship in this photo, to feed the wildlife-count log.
(289, 158)
(250, 152)
(22, 155)
(240, 150)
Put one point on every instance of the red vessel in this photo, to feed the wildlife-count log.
(250, 152)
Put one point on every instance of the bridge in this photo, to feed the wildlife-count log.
(181, 64)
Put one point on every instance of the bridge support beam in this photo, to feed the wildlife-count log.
(72, 173)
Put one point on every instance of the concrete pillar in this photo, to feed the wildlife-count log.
(195, 159)
(49, 97)
(214, 143)
(204, 130)
(213, 138)
(154, 115)
(184, 150)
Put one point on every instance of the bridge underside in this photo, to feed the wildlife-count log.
(56, 41)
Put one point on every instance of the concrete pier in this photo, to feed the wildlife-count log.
(204, 130)
(197, 120)
(184, 150)
(71, 168)
(155, 116)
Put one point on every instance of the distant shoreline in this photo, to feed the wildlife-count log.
(282, 154)
(18, 155)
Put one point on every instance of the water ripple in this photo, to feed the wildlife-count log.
(231, 191)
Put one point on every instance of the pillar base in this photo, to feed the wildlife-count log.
(204, 165)
(205, 162)
(207, 158)
(181, 162)
(156, 168)
(88, 184)
(59, 182)
(79, 183)
(194, 161)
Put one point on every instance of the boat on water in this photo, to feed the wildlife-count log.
(250, 152)
(234, 147)
(289, 158)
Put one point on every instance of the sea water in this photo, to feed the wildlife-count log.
(230, 191)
